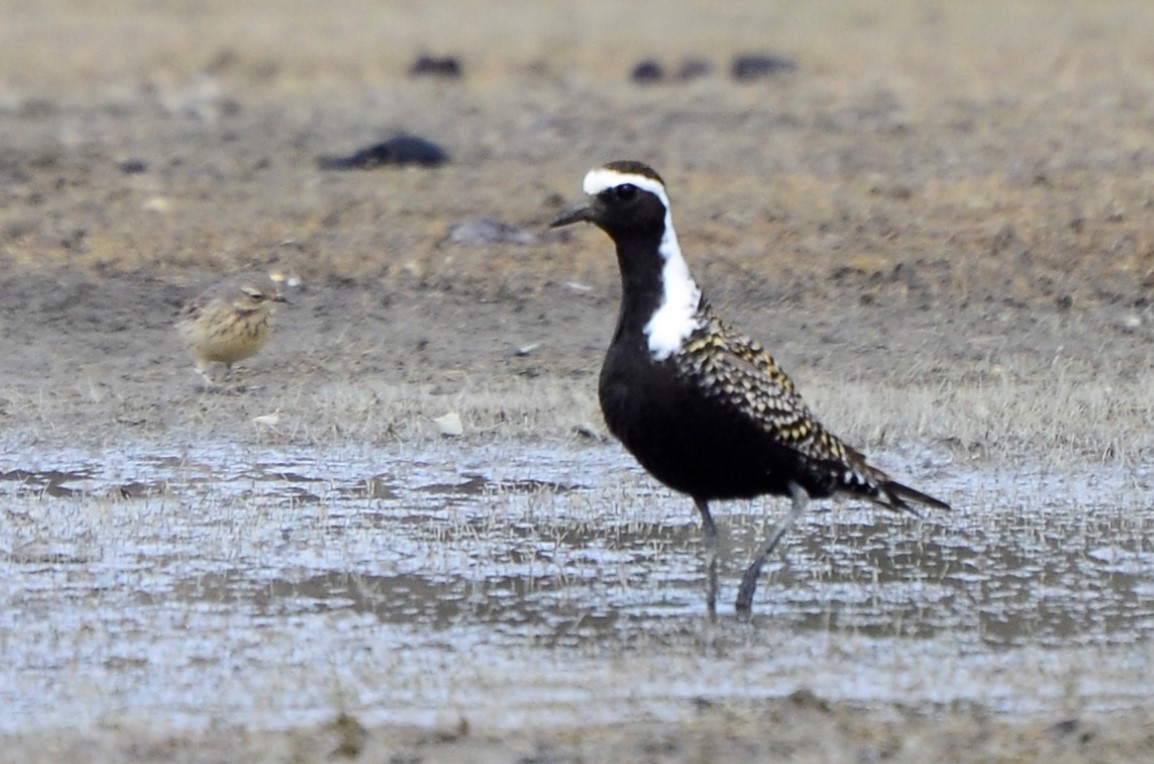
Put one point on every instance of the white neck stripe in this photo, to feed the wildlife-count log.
(676, 318)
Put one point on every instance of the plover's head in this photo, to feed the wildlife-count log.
(625, 197)
(627, 200)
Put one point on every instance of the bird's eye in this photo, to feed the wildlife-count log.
(625, 191)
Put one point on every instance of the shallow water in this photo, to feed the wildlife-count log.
(513, 584)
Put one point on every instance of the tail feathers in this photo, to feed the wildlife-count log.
(853, 475)
(895, 496)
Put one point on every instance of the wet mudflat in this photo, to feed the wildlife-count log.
(497, 586)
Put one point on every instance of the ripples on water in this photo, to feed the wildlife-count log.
(509, 584)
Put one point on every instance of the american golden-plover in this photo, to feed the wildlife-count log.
(705, 409)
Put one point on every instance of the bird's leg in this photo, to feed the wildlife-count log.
(753, 572)
(204, 370)
(710, 529)
(237, 386)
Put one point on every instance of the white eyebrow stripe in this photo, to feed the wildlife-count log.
(603, 178)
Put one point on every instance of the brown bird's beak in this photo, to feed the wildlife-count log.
(281, 298)
(575, 215)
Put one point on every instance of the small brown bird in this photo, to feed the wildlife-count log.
(229, 324)
(705, 409)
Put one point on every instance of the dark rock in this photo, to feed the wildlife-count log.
(132, 166)
(647, 72)
(1073, 730)
(433, 66)
(400, 150)
(755, 66)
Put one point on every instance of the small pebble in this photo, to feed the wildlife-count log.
(447, 67)
(1130, 323)
(648, 72)
(450, 425)
(587, 431)
(132, 166)
(157, 204)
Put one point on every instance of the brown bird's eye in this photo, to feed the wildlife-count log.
(625, 191)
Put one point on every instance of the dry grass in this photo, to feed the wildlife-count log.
(380, 414)
(1046, 421)
(1042, 421)
(804, 728)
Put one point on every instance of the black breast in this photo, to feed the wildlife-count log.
(682, 437)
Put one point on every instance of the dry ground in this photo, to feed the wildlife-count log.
(940, 223)
(798, 728)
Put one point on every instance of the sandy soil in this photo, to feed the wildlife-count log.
(937, 196)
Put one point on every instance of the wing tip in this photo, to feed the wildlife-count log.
(900, 496)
